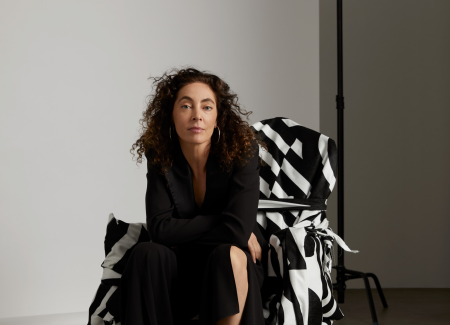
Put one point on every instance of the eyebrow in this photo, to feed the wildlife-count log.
(203, 100)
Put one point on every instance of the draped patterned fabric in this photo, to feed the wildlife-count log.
(120, 240)
(299, 176)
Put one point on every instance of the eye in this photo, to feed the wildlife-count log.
(209, 107)
(185, 105)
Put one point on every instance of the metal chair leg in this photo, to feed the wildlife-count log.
(380, 291)
(369, 294)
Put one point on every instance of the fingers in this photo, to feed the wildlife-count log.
(257, 248)
(254, 248)
(257, 255)
(253, 252)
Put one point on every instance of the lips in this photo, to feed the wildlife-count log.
(196, 130)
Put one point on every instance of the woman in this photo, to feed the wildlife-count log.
(202, 196)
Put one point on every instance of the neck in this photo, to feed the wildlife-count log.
(196, 156)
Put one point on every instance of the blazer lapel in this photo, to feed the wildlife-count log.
(182, 189)
(217, 188)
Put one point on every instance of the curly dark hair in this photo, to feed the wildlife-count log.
(236, 135)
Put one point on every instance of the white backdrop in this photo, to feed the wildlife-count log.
(73, 86)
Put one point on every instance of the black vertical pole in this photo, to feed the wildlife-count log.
(340, 279)
(344, 274)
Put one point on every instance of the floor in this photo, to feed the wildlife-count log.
(406, 306)
(55, 319)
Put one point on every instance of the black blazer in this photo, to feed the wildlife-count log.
(228, 211)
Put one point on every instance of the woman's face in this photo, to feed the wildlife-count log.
(195, 106)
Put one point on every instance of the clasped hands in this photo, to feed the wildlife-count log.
(254, 248)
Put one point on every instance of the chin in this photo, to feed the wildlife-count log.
(194, 140)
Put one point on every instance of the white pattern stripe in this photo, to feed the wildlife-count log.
(306, 214)
(315, 275)
(297, 146)
(110, 274)
(300, 284)
(296, 177)
(278, 191)
(327, 298)
(327, 171)
(264, 204)
(124, 244)
(108, 317)
(261, 219)
(264, 187)
(268, 158)
(275, 242)
(95, 320)
(288, 311)
(275, 137)
(277, 219)
(289, 122)
(331, 311)
(258, 126)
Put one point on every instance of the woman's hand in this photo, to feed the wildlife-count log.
(254, 248)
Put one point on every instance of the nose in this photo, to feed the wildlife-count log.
(197, 113)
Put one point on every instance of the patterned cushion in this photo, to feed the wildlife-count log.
(120, 239)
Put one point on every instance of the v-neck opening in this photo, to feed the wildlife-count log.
(206, 186)
(206, 190)
(192, 182)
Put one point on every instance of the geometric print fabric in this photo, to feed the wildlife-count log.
(301, 168)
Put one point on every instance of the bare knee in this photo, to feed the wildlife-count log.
(238, 259)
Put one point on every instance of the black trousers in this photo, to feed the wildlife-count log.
(161, 286)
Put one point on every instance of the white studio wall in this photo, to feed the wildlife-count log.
(74, 84)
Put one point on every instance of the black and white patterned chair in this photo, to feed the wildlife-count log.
(294, 186)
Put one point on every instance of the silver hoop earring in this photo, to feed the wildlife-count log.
(219, 135)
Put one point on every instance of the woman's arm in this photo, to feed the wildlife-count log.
(161, 226)
(239, 215)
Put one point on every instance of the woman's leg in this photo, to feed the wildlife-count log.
(239, 264)
(231, 288)
(147, 286)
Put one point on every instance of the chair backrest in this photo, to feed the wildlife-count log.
(301, 162)
(298, 176)
(300, 171)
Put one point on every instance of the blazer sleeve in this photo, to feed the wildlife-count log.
(239, 215)
(162, 227)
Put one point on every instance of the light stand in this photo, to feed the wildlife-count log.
(344, 274)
